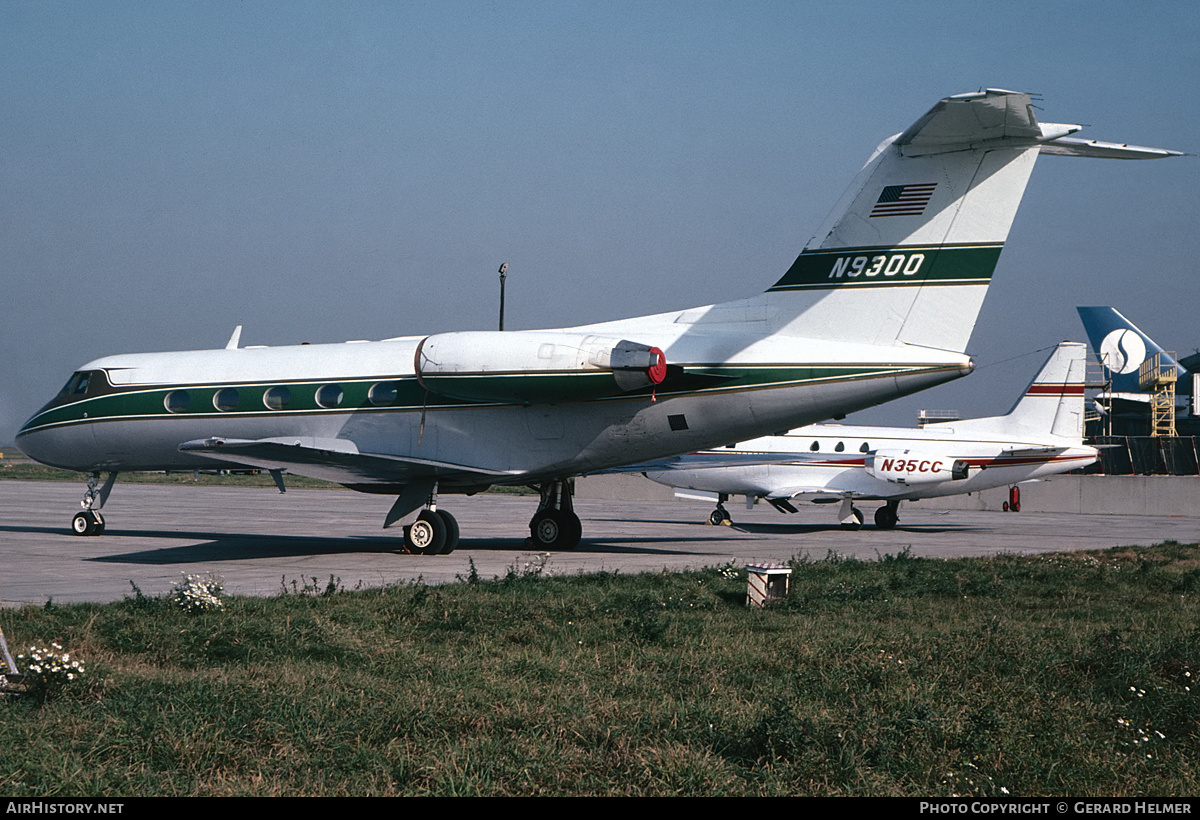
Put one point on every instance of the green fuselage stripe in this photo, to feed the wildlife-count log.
(891, 267)
(140, 402)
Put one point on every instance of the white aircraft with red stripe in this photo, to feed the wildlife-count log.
(830, 463)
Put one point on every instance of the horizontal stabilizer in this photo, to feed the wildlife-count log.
(1075, 147)
(987, 119)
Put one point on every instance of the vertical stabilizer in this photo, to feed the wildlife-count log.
(1052, 405)
(907, 254)
(1121, 347)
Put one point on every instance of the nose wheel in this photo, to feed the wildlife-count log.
(849, 516)
(90, 521)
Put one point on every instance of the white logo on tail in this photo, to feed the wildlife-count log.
(1122, 351)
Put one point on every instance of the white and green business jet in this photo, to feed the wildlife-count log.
(879, 305)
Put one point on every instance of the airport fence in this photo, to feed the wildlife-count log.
(1146, 455)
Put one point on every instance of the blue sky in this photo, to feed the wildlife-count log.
(328, 171)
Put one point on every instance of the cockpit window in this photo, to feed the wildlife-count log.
(77, 385)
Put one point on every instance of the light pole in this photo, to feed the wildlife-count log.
(503, 272)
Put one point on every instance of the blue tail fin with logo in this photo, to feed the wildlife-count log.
(1121, 347)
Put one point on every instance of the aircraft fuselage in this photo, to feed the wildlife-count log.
(132, 412)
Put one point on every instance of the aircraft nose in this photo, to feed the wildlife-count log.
(30, 442)
(56, 447)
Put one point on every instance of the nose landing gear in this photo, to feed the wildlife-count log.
(90, 521)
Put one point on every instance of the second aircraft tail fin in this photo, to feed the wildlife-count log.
(1121, 347)
(1053, 404)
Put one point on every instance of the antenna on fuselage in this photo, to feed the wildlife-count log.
(503, 272)
(234, 339)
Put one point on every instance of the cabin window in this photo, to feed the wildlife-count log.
(226, 399)
(841, 446)
(815, 446)
(383, 394)
(177, 401)
(866, 448)
(329, 395)
(277, 398)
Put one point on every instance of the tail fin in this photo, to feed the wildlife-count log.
(1053, 403)
(907, 254)
(1121, 347)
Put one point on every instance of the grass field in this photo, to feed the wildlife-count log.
(1036, 675)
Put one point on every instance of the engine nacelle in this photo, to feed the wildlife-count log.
(914, 467)
(535, 367)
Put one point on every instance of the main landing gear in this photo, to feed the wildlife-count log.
(435, 532)
(90, 521)
(720, 516)
(887, 516)
(555, 526)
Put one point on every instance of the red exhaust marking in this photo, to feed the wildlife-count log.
(657, 371)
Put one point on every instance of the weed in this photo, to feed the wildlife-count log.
(198, 593)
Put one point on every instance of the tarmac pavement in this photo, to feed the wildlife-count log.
(258, 540)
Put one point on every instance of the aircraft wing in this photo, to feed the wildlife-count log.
(792, 492)
(707, 460)
(336, 460)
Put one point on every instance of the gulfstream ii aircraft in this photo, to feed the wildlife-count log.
(829, 463)
(880, 304)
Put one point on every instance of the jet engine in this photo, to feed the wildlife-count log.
(535, 367)
(914, 467)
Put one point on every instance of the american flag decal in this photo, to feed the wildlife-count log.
(904, 200)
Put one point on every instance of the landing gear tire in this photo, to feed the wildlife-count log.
(555, 530)
(451, 526)
(720, 517)
(856, 520)
(88, 522)
(886, 517)
(426, 535)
